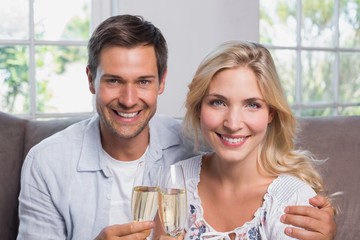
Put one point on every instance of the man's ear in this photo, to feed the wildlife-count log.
(90, 80)
(162, 83)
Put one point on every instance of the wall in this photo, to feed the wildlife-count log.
(192, 28)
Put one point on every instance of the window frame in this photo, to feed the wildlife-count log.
(99, 10)
(299, 105)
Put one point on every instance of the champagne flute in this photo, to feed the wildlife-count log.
(172, 200)
(144, 199)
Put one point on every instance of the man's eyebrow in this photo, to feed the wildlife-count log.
(147, 76)
(111, 76)
(119, 77)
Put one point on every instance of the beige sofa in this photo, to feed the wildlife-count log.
(334, 138)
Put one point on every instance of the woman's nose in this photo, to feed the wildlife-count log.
(234, 120)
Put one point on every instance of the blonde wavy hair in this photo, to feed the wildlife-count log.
(277, 154)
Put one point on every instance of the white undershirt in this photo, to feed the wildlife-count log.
(124, 174)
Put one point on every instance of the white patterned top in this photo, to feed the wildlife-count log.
(284, 191)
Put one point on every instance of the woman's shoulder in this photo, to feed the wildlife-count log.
(290, 189)
(191, 166)
(192, 169)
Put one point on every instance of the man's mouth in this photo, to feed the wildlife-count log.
(126, 114)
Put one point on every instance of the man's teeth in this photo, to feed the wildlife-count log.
(233, 140)
(127, 115)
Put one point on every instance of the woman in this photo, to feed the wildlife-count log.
(239, 191)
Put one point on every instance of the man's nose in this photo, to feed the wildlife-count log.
(128, 96)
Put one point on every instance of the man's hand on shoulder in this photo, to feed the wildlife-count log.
(316, 222)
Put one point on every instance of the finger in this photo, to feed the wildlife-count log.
(164, 237)
(320, 201)
(323, 204)
(324, 225)
(322, 216)
(307, 211)
(134, 229)
(136, 236)
(304, 222)
(303, 234)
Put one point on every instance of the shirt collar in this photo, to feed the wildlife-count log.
(162, 136)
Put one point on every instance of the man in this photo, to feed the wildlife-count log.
(77, 183)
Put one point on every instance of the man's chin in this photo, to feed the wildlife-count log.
(129, 133)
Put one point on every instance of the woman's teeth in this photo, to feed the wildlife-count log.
(233, 140)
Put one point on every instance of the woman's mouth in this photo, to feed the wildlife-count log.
(232, 140)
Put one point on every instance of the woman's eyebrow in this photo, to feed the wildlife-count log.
(253, 99)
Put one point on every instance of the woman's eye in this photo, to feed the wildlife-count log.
(254, 105)
(217, 103)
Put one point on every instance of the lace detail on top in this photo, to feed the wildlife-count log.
(283, 191)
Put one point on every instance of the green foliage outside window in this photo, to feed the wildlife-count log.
(14, 68)
(14, 74)
(326, 81)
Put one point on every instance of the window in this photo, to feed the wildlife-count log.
(316, 48)
(43, 57)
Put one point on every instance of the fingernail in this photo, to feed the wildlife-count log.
(288, 231)
(282, 218)
(286, 210)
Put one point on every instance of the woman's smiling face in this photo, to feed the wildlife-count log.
(234, 116)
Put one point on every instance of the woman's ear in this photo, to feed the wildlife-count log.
(272, 113)
(90, 80)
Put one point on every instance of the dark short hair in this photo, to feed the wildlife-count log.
(127, 31)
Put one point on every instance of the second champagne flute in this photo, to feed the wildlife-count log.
(144, 200)
(173, 200)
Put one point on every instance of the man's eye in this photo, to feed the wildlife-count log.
(112, 80)
(144, 82)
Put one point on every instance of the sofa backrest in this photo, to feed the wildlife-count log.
(12, 135)
(17, 136)
(37, 130)
(337, 139)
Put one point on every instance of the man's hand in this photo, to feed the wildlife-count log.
(128, 231)
(164, 237)
(316, 223)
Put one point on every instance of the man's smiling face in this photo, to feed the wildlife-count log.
(126, 87)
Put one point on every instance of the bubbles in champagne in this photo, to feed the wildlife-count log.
(144, 203)
(173, 210)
